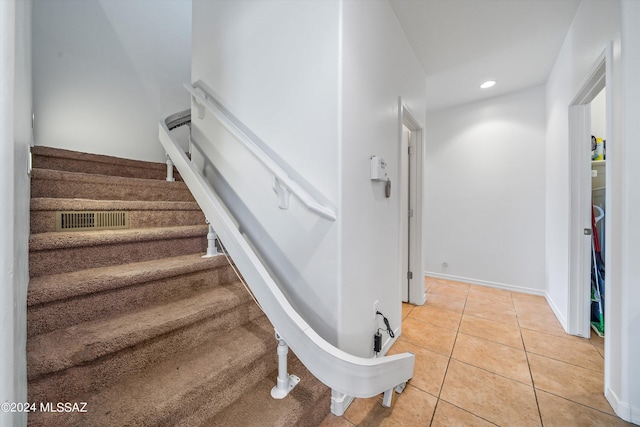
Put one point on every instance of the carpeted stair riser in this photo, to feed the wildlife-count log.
(72, 161)
(72, 185)
(208, 378)
(58, 257)
(89, 373)
(59, 314)
(43, 218)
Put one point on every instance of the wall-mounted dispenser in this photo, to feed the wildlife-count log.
(378, 169)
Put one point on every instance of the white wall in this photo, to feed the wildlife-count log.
(379, 66)
(318, 83)
(625, 383)
(105, 73)
(595, 23)
(275, 65)
(484, 192)
(23, 138)
(7, 292)
(15, 139)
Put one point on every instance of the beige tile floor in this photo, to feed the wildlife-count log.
(490, 357)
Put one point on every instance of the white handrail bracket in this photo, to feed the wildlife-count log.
(284, 194)
(202, 110)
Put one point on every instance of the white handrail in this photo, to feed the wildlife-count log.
(348, 374)
(283, 184)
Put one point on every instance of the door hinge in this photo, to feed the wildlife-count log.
(587, 232)
(409, 275)
(410, 213)
(410, 150)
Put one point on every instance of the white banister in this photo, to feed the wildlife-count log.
(283, 184)
(343, 372)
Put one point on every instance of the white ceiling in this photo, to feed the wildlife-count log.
(462, 43)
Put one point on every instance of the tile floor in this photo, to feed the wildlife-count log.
(490, 357)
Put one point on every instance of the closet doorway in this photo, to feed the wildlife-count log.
(587, 224)
(411, 165)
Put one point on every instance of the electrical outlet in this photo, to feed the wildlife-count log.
(375, 308)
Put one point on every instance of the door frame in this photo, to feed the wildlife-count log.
(412, 289)
(578, 310)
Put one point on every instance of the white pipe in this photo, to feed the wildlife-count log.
(170, 170)
(212, 250)
(285, 382)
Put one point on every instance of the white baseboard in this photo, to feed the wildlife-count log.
(388, 342)
(622, 409)
(561, 318)
(487, 283)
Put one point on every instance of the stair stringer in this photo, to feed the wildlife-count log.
(343, 372)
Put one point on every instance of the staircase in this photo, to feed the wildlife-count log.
(133, 321)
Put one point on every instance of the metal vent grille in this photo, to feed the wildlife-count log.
(91, 220)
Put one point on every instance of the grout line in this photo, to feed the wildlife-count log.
(526, 354)
(580, 403)
(444, 378)
(469, 412)
(564, 361)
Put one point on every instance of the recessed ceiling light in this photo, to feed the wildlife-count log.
(487, 84)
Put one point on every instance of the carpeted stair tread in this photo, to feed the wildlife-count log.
(58, 204)
(306, 405)
(56, 287)
(200, 379)
(60, 159)
(63, 184)
(77, 239)
(80, 344)
(108, 301)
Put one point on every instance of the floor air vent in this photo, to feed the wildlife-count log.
(91, 220)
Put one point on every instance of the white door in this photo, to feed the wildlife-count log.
(411, 208)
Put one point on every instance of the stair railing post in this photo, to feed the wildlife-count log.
(212, 250)
(285, 382)
(170, 170)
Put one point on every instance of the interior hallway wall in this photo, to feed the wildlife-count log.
(485, 192)
(275, 66)
(624, 386)
(106, 72)
(23, 138)
(15, 141)
(318, 83)
(595, 23)
(379, 66)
